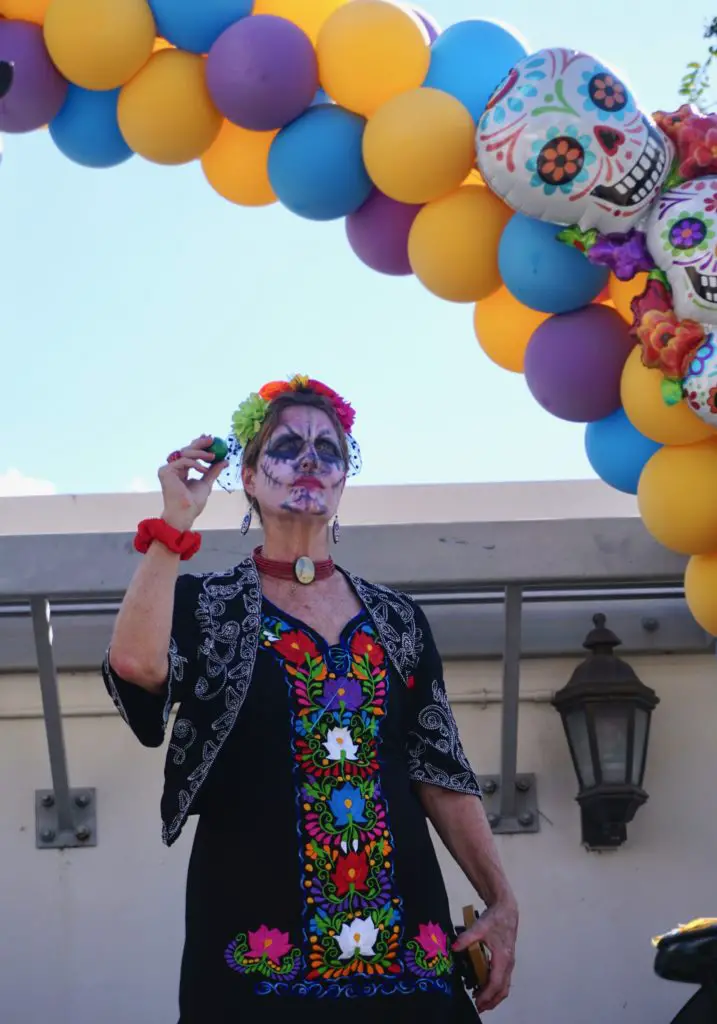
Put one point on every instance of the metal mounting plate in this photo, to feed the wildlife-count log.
(526, 817)
(82, 831)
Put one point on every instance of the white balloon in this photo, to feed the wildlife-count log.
(562, 139)
(681, 236)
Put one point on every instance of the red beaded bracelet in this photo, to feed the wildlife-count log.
(184, 543)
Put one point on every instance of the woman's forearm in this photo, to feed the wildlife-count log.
(140, 640)
(461, 823)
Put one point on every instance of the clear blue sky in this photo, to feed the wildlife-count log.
(138, 307)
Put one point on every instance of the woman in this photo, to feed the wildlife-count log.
(313, 738)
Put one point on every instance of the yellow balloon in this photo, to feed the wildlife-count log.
(677, 497)
(24, 10)
(165, 113)
(99, 44)
(623, 292)
(236, 165)
(640, 390)
(701, 590)
(453, 244)
(419, 146)
(370, 51)
(309, 15)
(504, 327)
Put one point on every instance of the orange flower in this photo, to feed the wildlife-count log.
(667, 343)
(273, 389)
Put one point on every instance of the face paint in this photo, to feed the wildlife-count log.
(301, 468)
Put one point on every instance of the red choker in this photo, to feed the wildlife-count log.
(303, 570)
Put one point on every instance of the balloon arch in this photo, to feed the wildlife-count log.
(531, 186)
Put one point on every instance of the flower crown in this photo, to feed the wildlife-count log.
(249, 417)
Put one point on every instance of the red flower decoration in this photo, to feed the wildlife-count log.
(411, 682)
(296, 647)
(344, 411)
(712, 401)
(667, 343)
(695, 138)
(350, 872)
(655, 296)
(364, 646)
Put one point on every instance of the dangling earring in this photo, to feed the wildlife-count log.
(246, 523)
(336, 530)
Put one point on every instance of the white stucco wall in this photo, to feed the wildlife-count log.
(94, 936)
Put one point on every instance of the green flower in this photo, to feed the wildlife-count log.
(573, 236)
(247, 420)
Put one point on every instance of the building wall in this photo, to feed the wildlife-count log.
(95, 935)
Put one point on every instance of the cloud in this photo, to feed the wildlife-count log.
(14, 484)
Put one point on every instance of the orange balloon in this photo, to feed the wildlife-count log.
(25, 10)
(165, 113)
(623, 292)
(677, 497)
(236, 165)
(646, 409)
(453, 244)
(161, 44)
(701, 590)
(309, 15)
(504, 326)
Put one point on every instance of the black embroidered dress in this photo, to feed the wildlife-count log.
(313, 886)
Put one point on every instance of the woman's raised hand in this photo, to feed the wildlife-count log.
(185, 497)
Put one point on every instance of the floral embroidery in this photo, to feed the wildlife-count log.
(428, 952)
(352, 912)
(267, 952)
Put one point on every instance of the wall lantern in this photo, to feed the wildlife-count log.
(606, 713)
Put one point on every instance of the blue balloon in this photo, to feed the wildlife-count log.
(195, 25)
(86, 128)
(470, 60)
(316, 164)
(617, 451)
(321, 97)
(542, 272)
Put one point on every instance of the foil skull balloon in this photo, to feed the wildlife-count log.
(682, 238)
(563, 140)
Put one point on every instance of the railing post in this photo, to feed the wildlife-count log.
(63, 817)
(511, 799)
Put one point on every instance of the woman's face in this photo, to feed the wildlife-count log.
(301, 470)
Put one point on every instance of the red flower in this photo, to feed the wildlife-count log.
(273, 389)
(411, 682)
(695, 139)
(364, 646)
(350, 871)
(344, 411)
(655, 296)
(712, 401)
(296, 647)
(668, 344)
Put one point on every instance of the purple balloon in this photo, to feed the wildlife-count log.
(378, 234)
(32, 90)
(262, 72)
(429, 23)
(574, 362)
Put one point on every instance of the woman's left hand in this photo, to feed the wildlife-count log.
(497, 929)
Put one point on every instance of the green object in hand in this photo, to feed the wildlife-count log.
(219, 448)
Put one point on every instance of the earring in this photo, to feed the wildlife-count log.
(245, 523)
(336, 530)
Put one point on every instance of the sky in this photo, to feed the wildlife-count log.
(139, 308)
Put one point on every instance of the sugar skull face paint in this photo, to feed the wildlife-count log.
(301, 470)
(682, 239)
(563, 140)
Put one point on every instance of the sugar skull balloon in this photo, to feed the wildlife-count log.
(700, 385)
(682, 239)
(563, 140)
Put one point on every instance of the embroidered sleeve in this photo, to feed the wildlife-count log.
(434, 748)
(147, 713)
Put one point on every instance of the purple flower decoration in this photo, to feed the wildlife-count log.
(626, 255)
(688, 233)
(342, 691)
